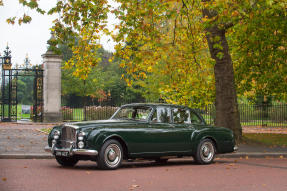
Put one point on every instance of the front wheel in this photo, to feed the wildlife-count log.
(205, 152)
(111, 155)
(66, 161)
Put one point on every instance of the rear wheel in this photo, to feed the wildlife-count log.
(66, 161)
(205, 152)
(111, 155)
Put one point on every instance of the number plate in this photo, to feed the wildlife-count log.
(62, 153)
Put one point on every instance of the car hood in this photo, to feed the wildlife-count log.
(101, 123)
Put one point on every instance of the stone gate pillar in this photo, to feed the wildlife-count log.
(52, 87)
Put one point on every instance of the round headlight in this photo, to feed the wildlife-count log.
(81, 134)
(56, 134)
(81, 144)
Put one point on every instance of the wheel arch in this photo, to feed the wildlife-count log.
(121, 141)
(213, 141)
(201, 136)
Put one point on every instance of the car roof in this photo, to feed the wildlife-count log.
(154, 105)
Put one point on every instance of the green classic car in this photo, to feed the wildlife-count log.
(148, 131)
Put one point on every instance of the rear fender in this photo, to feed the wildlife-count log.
(198, 136)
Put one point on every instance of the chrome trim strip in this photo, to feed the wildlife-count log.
(85, 152)
(72, 151)
(71, 125)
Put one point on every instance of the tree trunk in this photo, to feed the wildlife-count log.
(227, 114)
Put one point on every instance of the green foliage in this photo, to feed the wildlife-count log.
(164, 52)
(102, 84)
(25, 85)
(259, 49)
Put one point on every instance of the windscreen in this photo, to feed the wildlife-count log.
(133, 113)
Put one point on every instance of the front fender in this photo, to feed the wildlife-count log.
(92, 139)
(98, 137)
(50, 138)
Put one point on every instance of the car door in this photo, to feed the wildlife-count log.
(182, 131)
(160, 127)
(167, 136)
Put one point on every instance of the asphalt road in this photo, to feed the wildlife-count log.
(177, 175)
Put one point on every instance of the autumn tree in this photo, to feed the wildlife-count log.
(179, 49)
(172, 34)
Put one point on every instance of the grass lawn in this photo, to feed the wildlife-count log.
(266, 139)
(19, 113)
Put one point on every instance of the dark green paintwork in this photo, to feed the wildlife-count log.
(147, 139)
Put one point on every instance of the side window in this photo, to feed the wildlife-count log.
(181, 116)
(194, 118)
(161, 115)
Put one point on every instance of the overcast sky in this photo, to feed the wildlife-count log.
(30, 38)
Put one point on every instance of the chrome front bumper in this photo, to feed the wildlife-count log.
(71, 151)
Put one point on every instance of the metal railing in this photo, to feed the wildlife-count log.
(250, 115)
(255, 115)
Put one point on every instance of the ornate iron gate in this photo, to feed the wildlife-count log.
(9, 99)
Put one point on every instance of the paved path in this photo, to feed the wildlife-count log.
(276, 130)
(21, 139)
(177, 175)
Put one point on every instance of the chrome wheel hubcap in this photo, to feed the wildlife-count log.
(113, 155)
(207, 151)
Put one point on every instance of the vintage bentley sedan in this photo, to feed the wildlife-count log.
(149, 131)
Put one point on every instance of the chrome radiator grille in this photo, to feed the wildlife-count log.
(68, 135)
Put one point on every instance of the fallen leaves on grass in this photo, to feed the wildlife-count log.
(4, 179)
(246, 157)
(281, 157)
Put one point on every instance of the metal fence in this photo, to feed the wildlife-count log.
(250, 115)
(87, 113)
(262, 115)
